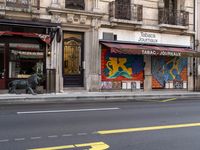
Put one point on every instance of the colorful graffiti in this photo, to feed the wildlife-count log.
(166, 69)
(117, 67)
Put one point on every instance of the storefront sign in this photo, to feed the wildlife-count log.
(146, 37)
(16, 52)
(160, 53)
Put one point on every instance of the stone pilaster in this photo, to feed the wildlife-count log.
(190, 74)
(147, 73)
(96, 6)
(95, 53)
(161, 4)
(2, 8)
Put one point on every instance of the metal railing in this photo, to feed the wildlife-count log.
(126, 12)
(173, 17)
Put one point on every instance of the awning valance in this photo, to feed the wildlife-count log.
(44, 37)
(133, 49)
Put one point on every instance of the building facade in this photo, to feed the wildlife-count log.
(99, 45)
(148, 45)
(26, 41)
(197, 46)
(57, 38)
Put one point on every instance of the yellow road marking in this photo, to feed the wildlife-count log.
(148, 128)
(94, 146)
(55, 147)
(167, 100)
(158, 101)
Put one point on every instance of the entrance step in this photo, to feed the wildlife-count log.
(74, 89)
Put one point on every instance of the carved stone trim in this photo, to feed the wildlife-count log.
(56, 19)
(96, 23)
(70, 18)
(83, 19)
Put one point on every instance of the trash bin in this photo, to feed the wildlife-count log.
(51, 80)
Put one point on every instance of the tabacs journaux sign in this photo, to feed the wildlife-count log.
(145, 37)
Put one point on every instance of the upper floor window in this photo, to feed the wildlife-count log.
(171, 4)
(123, 9)
(173, 14)
(75, 4)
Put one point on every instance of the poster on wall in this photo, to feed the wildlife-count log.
(119, 67)
(168, 69)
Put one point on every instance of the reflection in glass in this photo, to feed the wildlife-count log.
(72, 57)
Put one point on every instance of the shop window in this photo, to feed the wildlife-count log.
(25, 60)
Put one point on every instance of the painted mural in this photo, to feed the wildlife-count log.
(118, 67)
(165, 69)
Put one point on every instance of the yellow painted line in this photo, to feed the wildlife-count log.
(140, 129)
(167, 100)
(94, 146)
(55, 147)
(158, 101)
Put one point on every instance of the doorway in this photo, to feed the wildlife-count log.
(73, 59)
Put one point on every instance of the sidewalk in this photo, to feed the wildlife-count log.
(84, 96)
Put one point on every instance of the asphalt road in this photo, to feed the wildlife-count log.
(171, 124)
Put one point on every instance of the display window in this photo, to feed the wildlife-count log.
(25, 59)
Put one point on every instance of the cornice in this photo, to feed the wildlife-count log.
(76, 12)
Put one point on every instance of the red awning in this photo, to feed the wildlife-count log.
(44, 37)
(133, 49)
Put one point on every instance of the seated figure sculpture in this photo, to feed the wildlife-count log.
(28, 84)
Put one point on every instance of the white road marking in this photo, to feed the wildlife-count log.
(4, 140)
(36, 138)
(94, 132)
(19, 139)
(67, 135)
(52, 136)
(60, 111)
(82, 134)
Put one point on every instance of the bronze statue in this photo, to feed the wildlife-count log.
(27, 84)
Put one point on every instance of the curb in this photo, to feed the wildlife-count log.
(45, 99)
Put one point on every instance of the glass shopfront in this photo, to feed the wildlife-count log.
(20, 57)
(25, 59)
